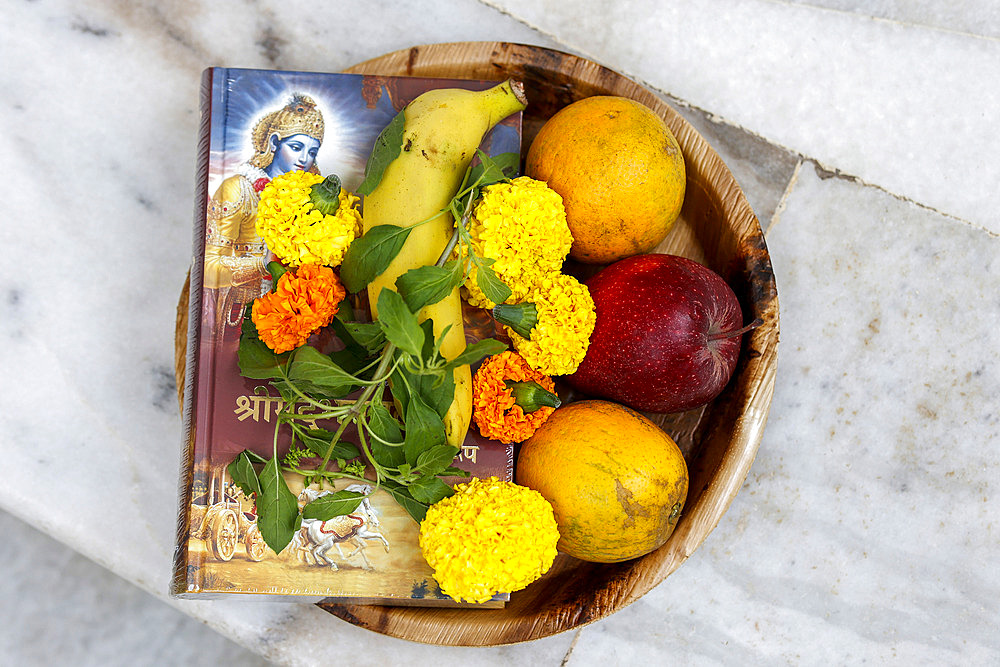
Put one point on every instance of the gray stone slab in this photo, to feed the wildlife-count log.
(60, 608)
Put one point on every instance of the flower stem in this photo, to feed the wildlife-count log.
(359, 404)
(299, 392)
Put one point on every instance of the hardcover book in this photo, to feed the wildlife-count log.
(250, 122)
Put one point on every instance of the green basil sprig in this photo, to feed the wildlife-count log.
(407, 451)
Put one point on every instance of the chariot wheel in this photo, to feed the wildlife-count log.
(254, 542)
(224, 534)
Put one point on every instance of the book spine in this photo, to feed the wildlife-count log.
(180, 581)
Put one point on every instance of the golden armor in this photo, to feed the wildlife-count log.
(235, 256)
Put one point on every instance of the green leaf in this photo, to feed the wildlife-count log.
(386, 149)
(436, 460)
(367, 257)
(436, 350)
(424, 429)
(368, 335)
(276, 269)
(254, 456)
(397, 384)
(429, 489)
(310, 365)
(286, 392)
(333, 504)
(491, 285)
(317, 441)
(476, 351)
(399, 323)
(352, 360)
(436, 389)
(277, 508)
(345, 312)
(258, 361)
(427, 351)
(383, 424)
(355, 467)
(493, 169)
(355, 356)
(247, 328)
(356, 351)
(452, 471)
(414, 507)
(386, 456)
(325, 195)
(243, 475)
(428, 284)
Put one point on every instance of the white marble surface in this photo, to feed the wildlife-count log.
(897, 104)
(867, 528)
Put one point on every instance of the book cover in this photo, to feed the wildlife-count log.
(257, 124)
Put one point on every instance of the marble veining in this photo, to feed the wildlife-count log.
(861, 96)
(975, 17)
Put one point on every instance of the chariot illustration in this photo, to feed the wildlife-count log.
(224, 518)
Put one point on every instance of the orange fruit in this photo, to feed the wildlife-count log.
(616, 482)
(620, 172)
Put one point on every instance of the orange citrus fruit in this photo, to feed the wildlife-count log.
(616, 482)
(620, 172)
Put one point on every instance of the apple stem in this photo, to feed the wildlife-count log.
(731, 334)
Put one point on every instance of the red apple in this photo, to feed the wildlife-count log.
(667, 335)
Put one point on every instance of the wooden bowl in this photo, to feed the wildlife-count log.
(717, 228)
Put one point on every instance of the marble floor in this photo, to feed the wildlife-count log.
(863, 133)
(59, 607)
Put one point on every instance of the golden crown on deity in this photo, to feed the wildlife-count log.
(299, 116)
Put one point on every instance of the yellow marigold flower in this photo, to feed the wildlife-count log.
(298, 233)
(522, 225)
(304, 301)
(566, 319)
(490, 537)
(493, 408)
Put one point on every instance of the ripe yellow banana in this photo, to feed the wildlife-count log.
(442, 129)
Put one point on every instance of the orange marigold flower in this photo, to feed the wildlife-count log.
(305, 300)
(494, 410)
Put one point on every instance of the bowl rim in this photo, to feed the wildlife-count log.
(747, 403)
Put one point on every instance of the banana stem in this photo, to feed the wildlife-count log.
(453, 241)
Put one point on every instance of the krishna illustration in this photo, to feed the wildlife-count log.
(284, 140)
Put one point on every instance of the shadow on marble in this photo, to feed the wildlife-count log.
(762, 169)
(58, 607)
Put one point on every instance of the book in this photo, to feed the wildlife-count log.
(257, 124)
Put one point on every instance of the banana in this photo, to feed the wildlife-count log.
(442, 129)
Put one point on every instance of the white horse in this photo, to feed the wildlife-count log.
(315, 538)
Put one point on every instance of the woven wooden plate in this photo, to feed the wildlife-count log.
(717, 228)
